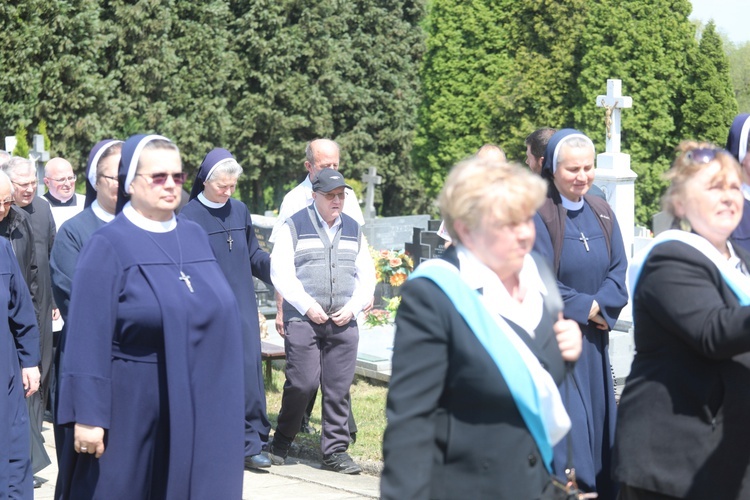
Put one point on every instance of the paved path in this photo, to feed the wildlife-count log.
(298, 480)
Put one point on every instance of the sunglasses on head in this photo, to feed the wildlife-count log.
(704, 155)
(160, 178)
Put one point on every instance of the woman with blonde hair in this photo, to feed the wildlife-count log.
(682, 423)
(473, 407)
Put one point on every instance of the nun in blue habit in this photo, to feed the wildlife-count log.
(99, 210)
(738, 144)
(230, 231)
(101, 199)
(19, 348)
(579, 235)
(151, 377)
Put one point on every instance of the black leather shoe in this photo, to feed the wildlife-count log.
(37, 482)
(278, 450)
(340, 462)
(257, 462)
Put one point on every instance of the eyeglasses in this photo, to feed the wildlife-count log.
(61, 180)
(7, 203)
(160, 178)
(704, 155)
(113, 179)
(26, 185)
(332, 196)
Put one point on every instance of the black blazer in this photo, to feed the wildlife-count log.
(454, 430)
(683, 425)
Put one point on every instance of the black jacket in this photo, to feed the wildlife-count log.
(454, 430)
(682, 424)
(22, 240)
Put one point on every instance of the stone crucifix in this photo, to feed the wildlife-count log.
(371, 179)
(613, 102)
(39, 156)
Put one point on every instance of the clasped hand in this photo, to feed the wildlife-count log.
(341, 317)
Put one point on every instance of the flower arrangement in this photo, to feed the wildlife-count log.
(378, 317)
(391, 266)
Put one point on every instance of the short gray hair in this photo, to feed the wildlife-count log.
(4, 157)
(228, 167)
(4, 178)
(16, 164)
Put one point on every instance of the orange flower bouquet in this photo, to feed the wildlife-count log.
(392, 266)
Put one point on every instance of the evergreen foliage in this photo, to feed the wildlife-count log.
(344, 70)
(549, 60)
(712, 106)
(739, 70)
(645, 44)
(466, 55)
(22, 142)
(259, 78)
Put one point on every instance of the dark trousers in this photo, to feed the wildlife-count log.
(311, 405)
(319, 355)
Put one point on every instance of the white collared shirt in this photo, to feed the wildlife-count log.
(528, 313)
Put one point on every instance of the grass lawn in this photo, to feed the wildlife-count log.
(368, 402)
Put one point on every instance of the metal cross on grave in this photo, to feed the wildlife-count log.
(372, 179)
(613, 102)
(39, 156)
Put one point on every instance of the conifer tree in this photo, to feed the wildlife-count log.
(467, 52)
(710, 105)
(22, 148)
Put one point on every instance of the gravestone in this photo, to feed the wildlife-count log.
(425, 245)
(617, 180)
(263, 234)
(613, 171)
(10, 143)
(371, 179)
(39, 155)
(264, 294)
(434, 224)
(390, 233)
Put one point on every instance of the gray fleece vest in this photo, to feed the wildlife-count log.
(326, 268)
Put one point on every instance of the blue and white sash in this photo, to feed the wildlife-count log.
(734, 278)
(536, 398)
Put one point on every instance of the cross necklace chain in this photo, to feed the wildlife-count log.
(583, 239)
(185, 278)
(228, 231)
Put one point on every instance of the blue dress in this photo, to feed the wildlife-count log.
(240, 264)
(68, 245)
(19, 343)
(154, 364)
(585, 276)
